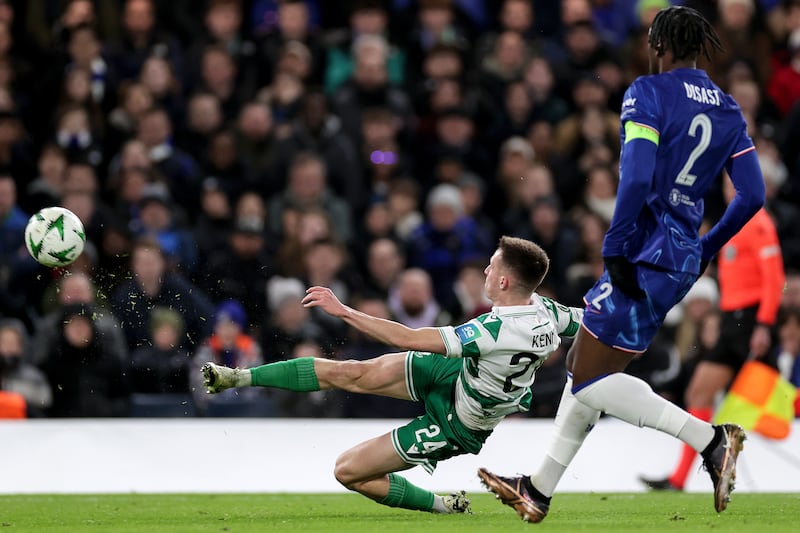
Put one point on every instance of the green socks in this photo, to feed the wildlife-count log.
(407, 496)
(294, 374)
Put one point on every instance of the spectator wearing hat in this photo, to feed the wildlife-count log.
(229, 344)
(240, 270)
(446, 240)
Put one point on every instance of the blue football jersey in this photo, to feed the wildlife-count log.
(698, 129)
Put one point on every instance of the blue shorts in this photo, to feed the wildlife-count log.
(627, 324)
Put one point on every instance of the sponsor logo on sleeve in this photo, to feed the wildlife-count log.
(468, 333)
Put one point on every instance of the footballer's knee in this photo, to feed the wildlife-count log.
(344, 473)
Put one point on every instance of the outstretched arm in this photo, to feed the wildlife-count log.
(386, 331)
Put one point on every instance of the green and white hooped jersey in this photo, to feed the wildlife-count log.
(502, 350)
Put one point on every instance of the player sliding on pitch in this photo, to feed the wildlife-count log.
(484, 373)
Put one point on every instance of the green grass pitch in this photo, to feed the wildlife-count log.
(240, 513)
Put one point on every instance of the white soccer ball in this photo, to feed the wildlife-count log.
(55, 236)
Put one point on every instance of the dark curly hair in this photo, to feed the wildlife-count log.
(684, 32)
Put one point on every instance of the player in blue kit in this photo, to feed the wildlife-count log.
(679, 131)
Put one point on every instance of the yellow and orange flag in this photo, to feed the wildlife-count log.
(761, 400)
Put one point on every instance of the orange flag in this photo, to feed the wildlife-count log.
(760, 399)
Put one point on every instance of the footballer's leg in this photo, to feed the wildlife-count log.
(383, 375)
(369, 469)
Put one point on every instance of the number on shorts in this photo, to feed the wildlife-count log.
(605, 292)
(427, 446)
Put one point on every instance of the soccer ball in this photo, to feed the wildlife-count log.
(55, 236)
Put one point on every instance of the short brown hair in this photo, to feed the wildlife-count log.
(526, 259)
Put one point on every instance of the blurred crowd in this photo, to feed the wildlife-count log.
(224, 155)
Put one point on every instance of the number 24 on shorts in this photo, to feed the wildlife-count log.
(425, 444)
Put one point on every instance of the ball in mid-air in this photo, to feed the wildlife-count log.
(55, 236)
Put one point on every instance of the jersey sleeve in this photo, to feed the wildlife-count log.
(470, 339)
(452, 340)
(640, 106)
(566, 319)
(639, 134)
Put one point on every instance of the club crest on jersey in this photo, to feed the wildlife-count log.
(468, 333)
(676, 197)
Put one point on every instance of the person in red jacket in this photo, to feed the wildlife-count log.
(751, 279)
(784, 85)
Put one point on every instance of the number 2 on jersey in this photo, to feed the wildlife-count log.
(701, 120)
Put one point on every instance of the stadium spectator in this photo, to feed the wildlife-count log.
(45, 190)
(289, 322)
(203, 118)
(446, 240)
(412, 301)
(153, 285)
(369, 86)
(87, 378)
(293, 24)
(788, 348)
(224, 162)
(162, 366)
(384, 261)
(229, 344)
(140, 38)
(366, 17)
(308, 187)
(179, 169)
(240, 270)
(316, 129)
(159, 220)
(18, 375)
(17, 267)
(256, 142)
(548, 226)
